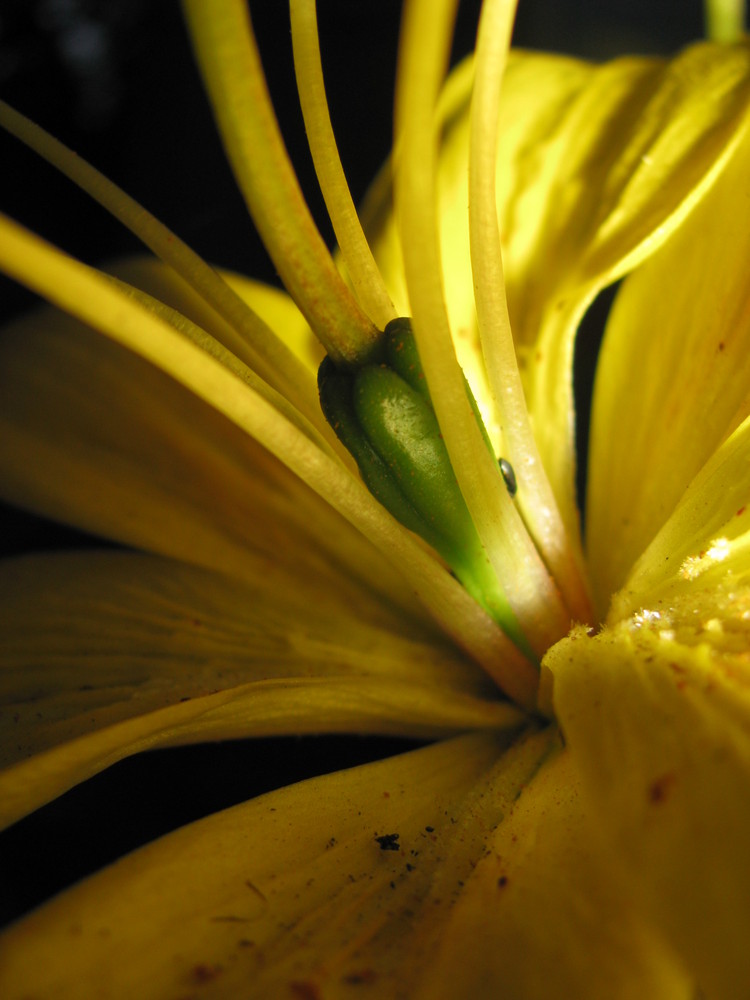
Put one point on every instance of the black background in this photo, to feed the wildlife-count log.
(116, 81)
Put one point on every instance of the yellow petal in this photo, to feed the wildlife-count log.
(106, 654)
(701, 557)
(234, 398)
(546, 913)
(555, 80)
(131, 455)
(629, 157)
(672, 381)
(295, 895)
(274, 307)
(596, 167)
(288, 895)
(661, 734)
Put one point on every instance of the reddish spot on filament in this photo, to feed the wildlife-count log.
(362, 976)
(206, 973)
(305, 990)
(659, 789)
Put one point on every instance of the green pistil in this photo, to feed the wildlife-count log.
(383, 415)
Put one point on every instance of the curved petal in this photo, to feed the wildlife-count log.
(274, 307)
(672, 381)
(546, 912)
(107, 654)
(596, 167)
(555, 82)
(661, 734)
(701, 557)
(94, 436)
(629, 158)
(289, 895)
(232, 396)
(644, 139)
(385, 877)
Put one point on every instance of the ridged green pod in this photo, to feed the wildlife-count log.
(383, 415)
(336, 388)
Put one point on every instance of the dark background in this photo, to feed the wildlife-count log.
(116, 81)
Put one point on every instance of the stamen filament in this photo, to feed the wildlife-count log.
(230, 63)
(535, 499)
(725, 20)
(255, 343)
(96, 301)
(363, 271)
(536, 602)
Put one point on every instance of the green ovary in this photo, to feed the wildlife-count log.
(383, 414)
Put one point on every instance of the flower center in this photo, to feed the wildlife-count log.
(398, 399)
(383, 414)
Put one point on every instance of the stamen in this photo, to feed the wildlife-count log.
(536, 602)
(95, 300)
(363, 271)
(229, 60)
(725, 20)
(255, 343)
(535, 497)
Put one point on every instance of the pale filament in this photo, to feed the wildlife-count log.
(230, 62)
(365, 276)
(535, 498)
(530, 590)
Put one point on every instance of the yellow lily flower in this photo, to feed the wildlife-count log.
(578, 827)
